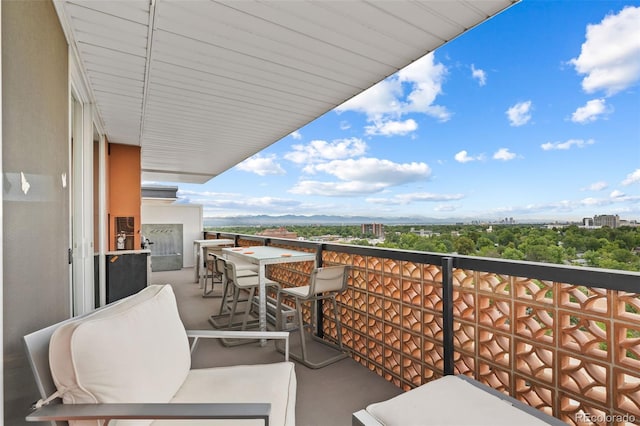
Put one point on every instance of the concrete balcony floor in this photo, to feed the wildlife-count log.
(325, 396)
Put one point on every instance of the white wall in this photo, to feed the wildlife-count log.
(189, 215)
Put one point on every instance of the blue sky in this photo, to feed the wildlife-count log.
(532, 115)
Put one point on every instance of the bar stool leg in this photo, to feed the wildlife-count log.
(247, 310)
(236, 296)
(337, 320)
(303, 343)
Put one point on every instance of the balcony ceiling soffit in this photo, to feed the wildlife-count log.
(203, 85)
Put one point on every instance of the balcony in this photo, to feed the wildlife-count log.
(152, 81)
(564, 340)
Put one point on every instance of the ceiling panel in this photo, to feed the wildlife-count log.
(202, 85)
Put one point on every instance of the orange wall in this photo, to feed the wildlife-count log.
(124, 192)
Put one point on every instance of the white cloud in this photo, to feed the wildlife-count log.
(296, 135)
(344, 125)
(336, 189)
(597, 186)
(445, 208)
(261, 165)
(415, 197)
(464, 157)
(519, 114)
(479, 75)
(411, 90)
(580, 143)
(618, 202)
(374, 170)
(633, 177)
(360, 176)
(250, 204)
(504, 154)
(233, 203)
(590, 201)
(610, 56)
(426, 78)
(592, 110)
(379, 100)
(616, 194)
(390, 128)
(319, 150)
(615, 197)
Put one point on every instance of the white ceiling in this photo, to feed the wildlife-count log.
(202, 85)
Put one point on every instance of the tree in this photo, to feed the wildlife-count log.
(408, 241)
(484, 242)
(544, 253)
(513, 253)
(505, 236)
(464, 245)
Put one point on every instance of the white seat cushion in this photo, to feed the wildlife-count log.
(252, 281)
(449, 401)
(301, 292)
(274, 383)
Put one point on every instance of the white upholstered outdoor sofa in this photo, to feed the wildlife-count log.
(452, 401)
(132, 360)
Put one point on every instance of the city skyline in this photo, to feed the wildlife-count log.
(534, 114)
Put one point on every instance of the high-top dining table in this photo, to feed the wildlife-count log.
(263, 256)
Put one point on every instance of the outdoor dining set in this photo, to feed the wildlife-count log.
(241, 272)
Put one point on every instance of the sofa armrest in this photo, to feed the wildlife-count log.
(363, 418)
(108, 412)
(227, 334)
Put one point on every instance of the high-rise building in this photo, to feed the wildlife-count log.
(376, 229)
(610, 220)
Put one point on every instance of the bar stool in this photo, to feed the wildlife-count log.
(324, 283)
(239, 279)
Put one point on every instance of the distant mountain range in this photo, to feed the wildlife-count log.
(267, 220)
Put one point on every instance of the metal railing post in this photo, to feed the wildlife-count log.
(319, 311)
(447, 314)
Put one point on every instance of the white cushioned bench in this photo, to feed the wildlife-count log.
(452, 401)
(137, 351)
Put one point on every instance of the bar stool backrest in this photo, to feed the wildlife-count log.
(328, 279)
(230, 270)
(218, 263)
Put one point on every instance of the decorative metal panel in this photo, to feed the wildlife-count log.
(570, 351)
